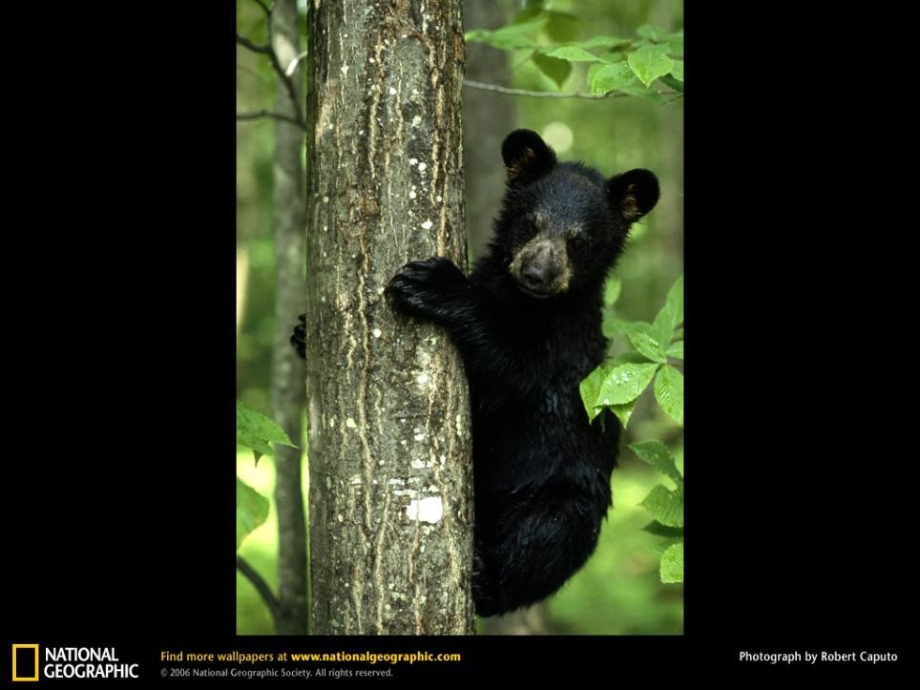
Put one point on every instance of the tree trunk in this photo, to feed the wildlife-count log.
(287, 392)
(390, 447)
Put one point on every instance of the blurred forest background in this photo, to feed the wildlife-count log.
(618, 591)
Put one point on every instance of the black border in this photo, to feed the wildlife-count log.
(796, 538)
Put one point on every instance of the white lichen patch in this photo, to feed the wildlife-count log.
(412, 194)
(416, 464)
(429, 510)
(417, 120)
(344, 70)
(350, 423)
(355, 480)
(392, 91)
(422, 379)
(376, 332)
(427, 225)
(422, 167)
(413, 161)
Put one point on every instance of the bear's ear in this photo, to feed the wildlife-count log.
(526, 156)
(633, 194)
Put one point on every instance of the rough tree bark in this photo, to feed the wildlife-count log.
(287, 392)
(390, 448)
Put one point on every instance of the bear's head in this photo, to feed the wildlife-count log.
(563, 225)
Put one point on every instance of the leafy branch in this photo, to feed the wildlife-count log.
(550, 94)
(619, 66)
(617, 384)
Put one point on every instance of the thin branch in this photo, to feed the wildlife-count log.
(549, 94)
(261, 586)
(267, 49)
(537, 94)
(254, 47)
(260, 114)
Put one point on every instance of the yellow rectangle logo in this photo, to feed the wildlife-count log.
(16, 648)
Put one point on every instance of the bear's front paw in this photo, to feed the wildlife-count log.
(299, 336)
(427, 289)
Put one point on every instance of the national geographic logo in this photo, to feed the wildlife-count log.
(25, 662)
(68, 662)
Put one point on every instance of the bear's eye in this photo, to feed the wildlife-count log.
(577, 243)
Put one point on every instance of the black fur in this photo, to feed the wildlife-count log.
(542, 472)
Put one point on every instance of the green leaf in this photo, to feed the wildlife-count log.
(656, 34)
(676, 350)
(660, 530)
(669, 392)
(561, 27)
(624, 327)
(573, 54)
(531, 9)
(643, 338)
(650, 62)
(676, 41)
(557, 70)
(678, 70)
(623, 412)
(625, 383)
(672, 564)
(630, 357)
(636, 89)
(671, 314)
(256, 431)
(608, 325)
(656, 454)
(603, 42)
(666, 506)
(676, 296)
(612, 291)
(651, 32)
(589, 388)
(510, 37)
(251, 510)
(610, 78)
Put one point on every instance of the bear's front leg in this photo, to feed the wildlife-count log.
(433, 289)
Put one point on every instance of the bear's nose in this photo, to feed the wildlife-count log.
(536, 276)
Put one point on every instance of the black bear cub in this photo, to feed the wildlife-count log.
(527, 323)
